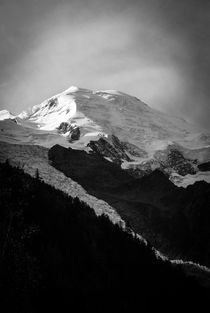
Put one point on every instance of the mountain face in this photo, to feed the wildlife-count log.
(123, 159)
(117, 126)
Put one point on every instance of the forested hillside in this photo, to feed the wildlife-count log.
(56, 255)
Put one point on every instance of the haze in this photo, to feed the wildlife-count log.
(156, 50)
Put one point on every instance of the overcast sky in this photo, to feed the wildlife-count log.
(157, 50)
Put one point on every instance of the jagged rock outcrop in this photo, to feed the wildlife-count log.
(172, 159)
(72, 130)
(112, 150)
(144, 168)
(134, 150)
(74, 133)
(127, 147)
(52, 102)
(64, 127)
(169, 161)
(116, 150)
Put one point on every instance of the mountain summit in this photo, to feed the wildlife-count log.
(118, 126)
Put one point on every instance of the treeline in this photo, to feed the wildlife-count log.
(56, 255)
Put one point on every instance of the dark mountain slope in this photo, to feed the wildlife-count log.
(57, 256)
(84, 167)
(190, 208)
(154, 207)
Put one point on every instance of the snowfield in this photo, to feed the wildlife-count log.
(112, 112)
(4, 114)
(102, 113)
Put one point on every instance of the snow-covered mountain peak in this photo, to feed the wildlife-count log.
(77, 117)
(111, 112)
(5, 114)
(51, 113)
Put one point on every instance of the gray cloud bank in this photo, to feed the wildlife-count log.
(157, 50)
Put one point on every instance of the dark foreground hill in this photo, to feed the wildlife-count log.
(175, 220)
(57, 256)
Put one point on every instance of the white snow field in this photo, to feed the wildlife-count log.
(102, 113)
(4, 114)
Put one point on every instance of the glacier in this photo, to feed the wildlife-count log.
(103, 113)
